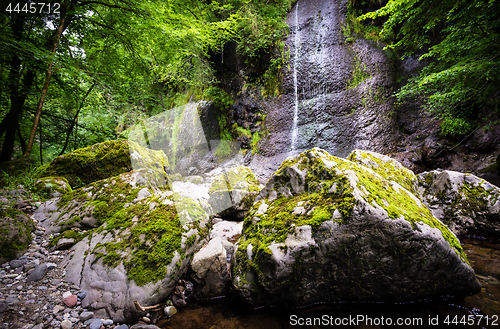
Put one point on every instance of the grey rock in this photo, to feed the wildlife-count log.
(11, 300)
(376, 240)
(122, 326)
(17, 263)
(107, 322)
(465, 203)
(3, 307)
(66, 324)
(38, 273)
(211, 269)
(82, 294)
(84, 316)
(95, 324)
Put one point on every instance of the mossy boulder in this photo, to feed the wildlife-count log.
(233, 192)
(133, 241)
(103, 160)
(52, 186)
(325, 229)
(464, 202)
(15, 233)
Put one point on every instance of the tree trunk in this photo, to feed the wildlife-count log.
(45, 88)
(21, 139)
(75, 119)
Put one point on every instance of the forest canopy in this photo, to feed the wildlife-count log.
(90, 68)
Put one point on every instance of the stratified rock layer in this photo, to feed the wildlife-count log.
(327, 229)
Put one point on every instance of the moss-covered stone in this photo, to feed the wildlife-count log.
(52, 186)
(100, 161)
(464, 202)
(233, 192)
(327, 229)
(15, 233)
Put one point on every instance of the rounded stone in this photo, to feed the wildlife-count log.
(71, 300)
(86, 315)
(170, 311)
(66, 324)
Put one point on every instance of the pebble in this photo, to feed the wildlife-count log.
(71, 300)
(107, 322)
(82, 295)
(86, 315)
(58, 308)
(67, 294)
(169, 311)
(66, 324)
(122, 326)
(96, 324)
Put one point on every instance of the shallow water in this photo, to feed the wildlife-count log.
(479, 311)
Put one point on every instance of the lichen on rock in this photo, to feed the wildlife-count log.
(233, 192)
(326, 229)
(464, 202)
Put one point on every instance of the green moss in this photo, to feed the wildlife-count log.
(15, 233)
(152, 242)
(69, 234)
(233, 179)
(390, 170)
(91, 163)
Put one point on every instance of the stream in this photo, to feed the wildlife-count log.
(478, 311)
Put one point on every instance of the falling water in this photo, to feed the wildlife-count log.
(295, 82)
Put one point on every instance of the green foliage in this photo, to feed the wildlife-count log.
(359, 73)
(455, 127)
(460, 39)
(219, 97)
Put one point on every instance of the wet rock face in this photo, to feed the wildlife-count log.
(327, 229)
(333, 112)
(464, 202)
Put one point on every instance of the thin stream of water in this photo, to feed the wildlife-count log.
(295, 79)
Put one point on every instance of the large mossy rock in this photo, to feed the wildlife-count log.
(103, 160)
(464, 202)
(233, 192)
(15, 233)
(327, 229)
(133, 241)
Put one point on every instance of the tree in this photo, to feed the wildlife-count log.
(462, 41)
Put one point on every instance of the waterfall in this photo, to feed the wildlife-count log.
(295, 82)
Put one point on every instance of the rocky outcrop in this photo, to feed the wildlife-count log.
(233, 192)
(465, 203)
(90, 164)
(326, 229)
(15, 233)
(132, 242)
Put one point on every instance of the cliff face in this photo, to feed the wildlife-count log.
(336, 94)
